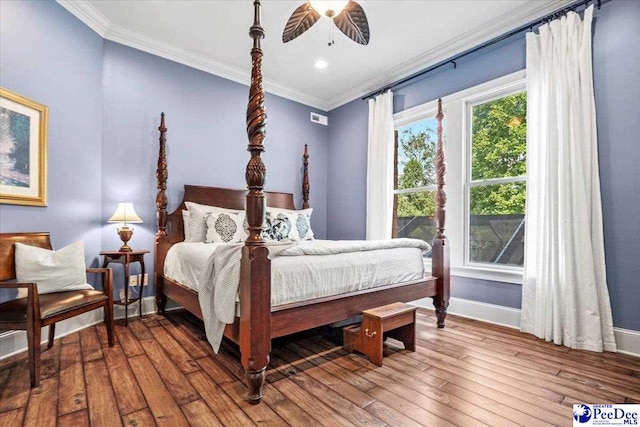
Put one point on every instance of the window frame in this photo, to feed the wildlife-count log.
(469, 103)
(428, 114)
(458, 125)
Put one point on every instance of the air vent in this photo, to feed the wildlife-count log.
(319, 118)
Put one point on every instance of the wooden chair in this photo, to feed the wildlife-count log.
(34, 311)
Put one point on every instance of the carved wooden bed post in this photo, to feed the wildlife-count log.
(255, 275)
(305, 179)
(440, 252)
(161, 205)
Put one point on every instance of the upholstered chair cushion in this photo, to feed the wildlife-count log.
(51, 304)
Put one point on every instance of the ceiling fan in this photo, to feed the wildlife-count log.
(348, 16)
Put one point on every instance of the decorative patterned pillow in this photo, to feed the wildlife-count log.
(226, 227)
(197, 220)
(52, 271)
(277, 227)
(289, 224)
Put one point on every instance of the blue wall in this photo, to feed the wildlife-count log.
(347, 171)
(616, 59)
(206, 138)
(104, 103)
(69, 82)
(616, 64)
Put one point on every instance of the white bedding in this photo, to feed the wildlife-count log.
(297, 279)
(327, 268)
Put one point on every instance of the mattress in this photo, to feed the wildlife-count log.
(299, 278)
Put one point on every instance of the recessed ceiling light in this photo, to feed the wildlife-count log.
(321, 64)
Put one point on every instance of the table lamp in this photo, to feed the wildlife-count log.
(125, 213)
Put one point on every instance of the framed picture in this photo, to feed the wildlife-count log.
(23, 150)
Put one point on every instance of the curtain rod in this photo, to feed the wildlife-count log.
(545, 19)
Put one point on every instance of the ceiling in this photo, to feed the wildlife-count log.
(406, 36)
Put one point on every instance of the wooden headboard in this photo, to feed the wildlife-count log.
(171, 226)
(220, 197)
(211, 196)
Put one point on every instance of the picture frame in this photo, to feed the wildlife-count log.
(23, 150)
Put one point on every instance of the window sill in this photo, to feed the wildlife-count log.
(483, 273)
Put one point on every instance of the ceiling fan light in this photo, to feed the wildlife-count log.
(329, 8)
(321, 64)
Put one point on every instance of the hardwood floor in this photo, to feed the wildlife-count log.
(162, 372)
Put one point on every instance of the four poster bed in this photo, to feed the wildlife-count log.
(258, 321)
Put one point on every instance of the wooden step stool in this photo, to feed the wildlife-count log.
(395, 320)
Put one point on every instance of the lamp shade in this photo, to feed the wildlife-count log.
(125, 213)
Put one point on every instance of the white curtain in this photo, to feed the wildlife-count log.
(380, 167)
(564, 295)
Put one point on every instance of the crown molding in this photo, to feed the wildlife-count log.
(200, 62)
(146, 44)
(460, 44)
(88, 14)
(84, 11)
(293, 95)
(155, 47)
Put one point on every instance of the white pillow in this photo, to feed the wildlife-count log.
(226, 227)
(197, 220)
(288, 224)
(186, 222)
(52, 271)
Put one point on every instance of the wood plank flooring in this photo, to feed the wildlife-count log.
(162, 372)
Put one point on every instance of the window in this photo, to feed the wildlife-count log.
(414, 180)
(485, 147)
(496, 184)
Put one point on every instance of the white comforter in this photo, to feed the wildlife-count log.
(368, 265)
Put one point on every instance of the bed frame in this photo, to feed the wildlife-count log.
(259, 322)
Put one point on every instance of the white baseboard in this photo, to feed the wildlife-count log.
(14, 342)
(627, 341)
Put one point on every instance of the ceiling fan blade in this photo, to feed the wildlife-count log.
(300, 21)
(352, 21)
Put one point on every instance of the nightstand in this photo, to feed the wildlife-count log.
(126, 258)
